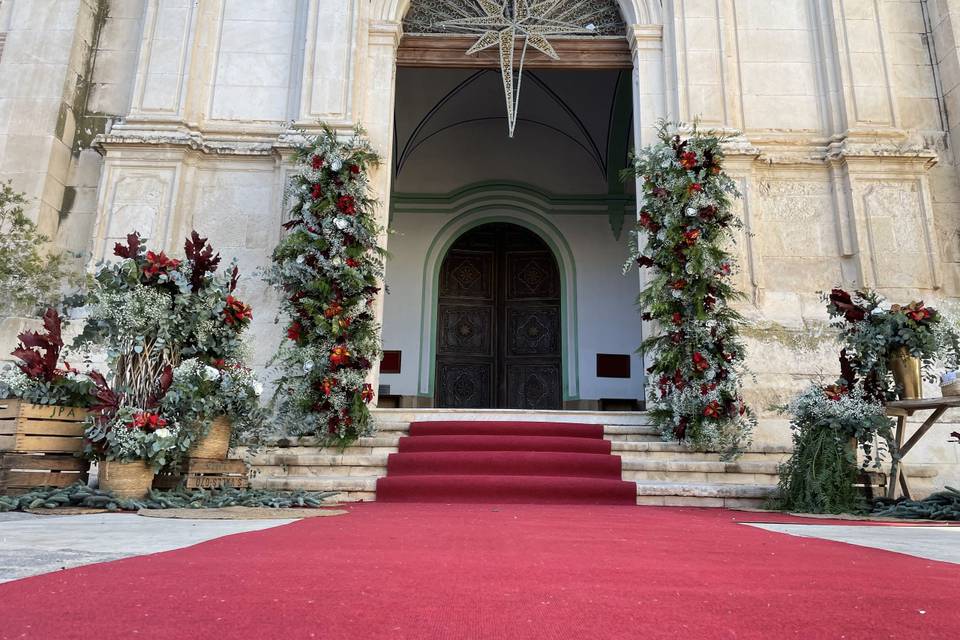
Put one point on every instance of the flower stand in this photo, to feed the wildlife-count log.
(127, 480)
(39, 446)
(215, 444)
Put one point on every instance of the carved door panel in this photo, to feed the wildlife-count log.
(498, 322)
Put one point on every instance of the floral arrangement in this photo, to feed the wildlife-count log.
(199, 392)
(684, 229)
(37, 377)
(158, 319)
(819, 477)
(872, 332)
(131, 434)
(327, 269)
(30, 277)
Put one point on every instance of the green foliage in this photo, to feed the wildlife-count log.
(30, 278)
(943, 505)
(685, 228)
(328, 270)
(819, 476)
(80, 495)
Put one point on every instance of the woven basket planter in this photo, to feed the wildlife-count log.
(128, 480)
(215, 444)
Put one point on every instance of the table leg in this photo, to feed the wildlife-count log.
(904, 487)
(895, 473)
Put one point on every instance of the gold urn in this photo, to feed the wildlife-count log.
(906, 373)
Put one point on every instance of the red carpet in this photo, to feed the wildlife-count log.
(505, 462)
(537, 572)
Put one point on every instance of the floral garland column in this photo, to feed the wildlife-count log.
(685, 228)
(328, 270)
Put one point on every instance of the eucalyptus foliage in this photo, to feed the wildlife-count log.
(30, 278)
(686, 226)
(327, 270)
(828, 423)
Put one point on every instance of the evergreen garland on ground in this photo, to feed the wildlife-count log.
(944, 505)
(80, 495)
(685, 228)
(327, 270)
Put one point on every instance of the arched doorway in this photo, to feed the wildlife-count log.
(498, 322)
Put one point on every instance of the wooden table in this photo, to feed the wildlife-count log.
(903, 409)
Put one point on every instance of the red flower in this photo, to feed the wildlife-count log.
(354, 169)
(219, 363)
(844, 304)
(158, 264)
(645, 261)
(688, 160)
(316, 162)
(327, 386)
(334, 309)
(353, 262)
(147, 421)
(680, 431)
(339, 356)
(647, 222)
(367, 393)
(707, 212)
(707, 388)
(691, 236)
(725, 268)
(712, 410)
(236, 312)
(660, 192)
(677, 318)
(696, 187)
(679, 285)
(835, 391)
(699, 362)
(346, 205)
(293, 331)
(316, 192)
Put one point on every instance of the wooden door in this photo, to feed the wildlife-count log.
(498, 322)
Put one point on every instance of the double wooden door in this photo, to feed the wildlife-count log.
(498, 322)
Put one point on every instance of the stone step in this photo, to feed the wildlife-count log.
(348, 488)
(589, 417)
(700, 471)
(683, 494)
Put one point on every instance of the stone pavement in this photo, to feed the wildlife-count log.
(31, 545)
(932, 542)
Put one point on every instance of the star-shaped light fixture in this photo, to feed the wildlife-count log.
(506, 20)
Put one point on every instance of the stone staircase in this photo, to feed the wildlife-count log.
(665, 473)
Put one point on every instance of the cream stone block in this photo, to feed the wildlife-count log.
(135, 198)
(329, 62)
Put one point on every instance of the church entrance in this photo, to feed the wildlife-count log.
(498, 322)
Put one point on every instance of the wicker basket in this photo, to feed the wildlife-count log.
(952, 389)
(128, 480)
(215, 444)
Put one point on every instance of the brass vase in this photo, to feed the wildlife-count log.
(906, 373)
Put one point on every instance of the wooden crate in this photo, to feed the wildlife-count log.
(21, 472)
(202, 473)
(36, 428)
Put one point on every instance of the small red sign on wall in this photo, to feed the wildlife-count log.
(390, 362)
(613, 365)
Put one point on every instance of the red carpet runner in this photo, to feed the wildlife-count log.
(504, 572)
(505, 462)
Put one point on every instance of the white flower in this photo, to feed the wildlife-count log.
(308, 366)
(210, 373)
(336, 164)
(257, 387)
(163, 432)
(341, 223)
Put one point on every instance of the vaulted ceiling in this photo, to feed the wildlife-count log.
(572, 134)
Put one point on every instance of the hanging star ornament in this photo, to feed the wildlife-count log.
(502, 23)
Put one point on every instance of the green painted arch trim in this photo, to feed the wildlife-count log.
(529, 219)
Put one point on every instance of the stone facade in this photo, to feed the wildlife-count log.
(169, 115)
